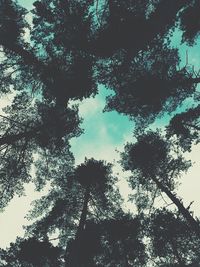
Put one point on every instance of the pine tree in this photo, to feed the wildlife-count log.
(72, 46)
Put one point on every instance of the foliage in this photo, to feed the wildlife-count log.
(185, 126)
(63, 54)
(172, 240)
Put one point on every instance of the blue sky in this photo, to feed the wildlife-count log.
(103, 131)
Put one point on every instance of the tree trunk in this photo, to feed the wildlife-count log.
(74, 260)
(186, 214)
(84, 212)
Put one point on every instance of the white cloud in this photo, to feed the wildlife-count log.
(91, 106)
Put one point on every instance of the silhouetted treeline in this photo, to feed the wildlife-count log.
(69, 48)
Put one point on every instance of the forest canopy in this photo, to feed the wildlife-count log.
(52, 58)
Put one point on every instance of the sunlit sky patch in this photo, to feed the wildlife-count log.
(103, 131)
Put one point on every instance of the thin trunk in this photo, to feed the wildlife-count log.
(83, 213)
(186, 214)
(73, 255)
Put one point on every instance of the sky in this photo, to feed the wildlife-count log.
(104, 135)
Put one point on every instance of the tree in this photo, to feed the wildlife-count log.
(172, 241)
(185, 126)
(27, 131)
(81, 198)
(149, 85)
(75, 45)
(31, 252)
(152, 164)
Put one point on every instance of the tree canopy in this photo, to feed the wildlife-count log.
(60, 58)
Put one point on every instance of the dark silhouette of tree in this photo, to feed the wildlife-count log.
(69, 48)
(189, 22)
(172, 241)
(152, 164)
(57, 68)
(133, 25)
(185, 126)
(26, 130)
(114, 241)
(77, 197)
(39, 115)
(150, 84)
(96, 181)
(31, 252)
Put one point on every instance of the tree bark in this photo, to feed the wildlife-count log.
(186, 214)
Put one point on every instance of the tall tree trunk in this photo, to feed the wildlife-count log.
(74, 260)
(186, 214)
(84, 212)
